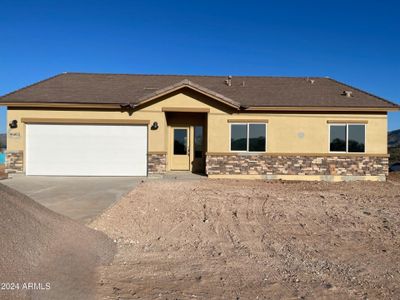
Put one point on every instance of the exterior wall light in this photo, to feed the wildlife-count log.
(13, 124)
(154, 126)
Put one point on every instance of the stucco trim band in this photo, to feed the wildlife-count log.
(331, 178)
(347, 121)
(297, 154)
(156, 152)
(247, 121)
(84, 121)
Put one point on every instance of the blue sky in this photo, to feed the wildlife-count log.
(352, 41)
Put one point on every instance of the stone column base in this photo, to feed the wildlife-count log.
(156, 163)
(14, 162)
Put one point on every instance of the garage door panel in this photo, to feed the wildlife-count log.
(86, 150)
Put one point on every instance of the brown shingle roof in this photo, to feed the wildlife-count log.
(245, 90)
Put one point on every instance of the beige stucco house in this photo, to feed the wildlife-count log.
(77, 124)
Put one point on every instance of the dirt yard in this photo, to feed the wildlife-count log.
(220, 239)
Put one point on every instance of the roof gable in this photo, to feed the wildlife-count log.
(190, 85)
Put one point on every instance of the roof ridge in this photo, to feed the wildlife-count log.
(31, 85)
(365, 92)
(193, 75)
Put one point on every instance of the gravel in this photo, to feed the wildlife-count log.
(38, 246)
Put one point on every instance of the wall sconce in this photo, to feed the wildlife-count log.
(13, 124)
(154, 126)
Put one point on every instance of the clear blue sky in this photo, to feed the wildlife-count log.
(357, 42)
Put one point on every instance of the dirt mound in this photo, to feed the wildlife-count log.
(221, 239)
(40, 247)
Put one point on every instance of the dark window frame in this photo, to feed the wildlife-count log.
(347, 137)
(248, 136)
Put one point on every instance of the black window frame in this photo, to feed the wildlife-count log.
(247, 124)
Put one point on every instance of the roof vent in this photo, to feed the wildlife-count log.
(347, 94)
(312, 81)
(228, 81)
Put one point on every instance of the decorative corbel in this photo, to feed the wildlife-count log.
(128, 107)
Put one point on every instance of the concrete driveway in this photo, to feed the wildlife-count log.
(80, 198)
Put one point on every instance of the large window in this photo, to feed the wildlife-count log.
(347, 138)
(248, 137)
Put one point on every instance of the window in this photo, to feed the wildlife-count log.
(257, 137)
(248, 137)
(198, 141)
(338, 138)
(356, 141)
(347, 138)
(180, 141)
(239, 137)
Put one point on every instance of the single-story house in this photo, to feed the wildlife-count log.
(291, 128)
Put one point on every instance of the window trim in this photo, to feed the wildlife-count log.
(247, 139)
(347, 137)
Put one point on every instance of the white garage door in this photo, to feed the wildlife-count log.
(86, 150)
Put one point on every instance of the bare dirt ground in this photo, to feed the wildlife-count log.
(394, 177)
(229, 239)
(38, 246)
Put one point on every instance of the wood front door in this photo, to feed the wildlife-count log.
(180, 158)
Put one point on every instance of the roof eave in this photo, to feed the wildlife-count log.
(60, 104)
(320, 108)
(243, 108)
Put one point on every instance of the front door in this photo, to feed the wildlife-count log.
(180, 149)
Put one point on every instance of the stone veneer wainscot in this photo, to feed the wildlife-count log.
(156, 163)
(340, 165)
(14, 162)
